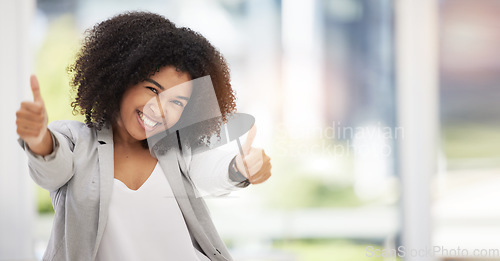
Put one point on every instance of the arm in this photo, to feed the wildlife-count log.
(49, 159)
(53, 170)
(218, 172)
(209, 172)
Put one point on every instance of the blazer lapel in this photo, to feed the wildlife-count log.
(170, 166)
(106, 170)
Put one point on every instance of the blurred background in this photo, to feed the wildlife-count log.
(381, 119)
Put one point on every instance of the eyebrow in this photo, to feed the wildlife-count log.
(183, 97)
(161, 87)
(155, 83)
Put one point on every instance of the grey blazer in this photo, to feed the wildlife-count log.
(79, 174)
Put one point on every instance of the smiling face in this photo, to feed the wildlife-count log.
(153, 105)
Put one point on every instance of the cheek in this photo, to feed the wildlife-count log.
(129, 103)
(174, 117)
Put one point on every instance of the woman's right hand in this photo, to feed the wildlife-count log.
(31, 121)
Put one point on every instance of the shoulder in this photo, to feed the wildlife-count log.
(72, 130)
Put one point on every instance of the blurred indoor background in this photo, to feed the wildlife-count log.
(381, 117)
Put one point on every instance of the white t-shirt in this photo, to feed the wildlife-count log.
(146, 224)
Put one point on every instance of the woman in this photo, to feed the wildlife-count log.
(114, 199)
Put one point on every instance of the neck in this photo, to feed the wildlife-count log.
(122, 138)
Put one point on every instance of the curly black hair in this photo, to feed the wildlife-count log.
(131, 47)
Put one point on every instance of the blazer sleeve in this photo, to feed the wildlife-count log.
(209, 172)
(56, 169)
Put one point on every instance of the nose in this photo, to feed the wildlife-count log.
(155, 108)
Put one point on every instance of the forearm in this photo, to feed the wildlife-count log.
(209, 173)
(54, 169)
(44, 147)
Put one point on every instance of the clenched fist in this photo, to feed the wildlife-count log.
(31, 121)
(255, 164)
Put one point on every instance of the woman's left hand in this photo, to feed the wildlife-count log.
(257, 162)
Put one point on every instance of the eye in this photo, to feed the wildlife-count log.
(155, 91)
(178, 103)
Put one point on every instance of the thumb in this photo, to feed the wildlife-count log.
(250, 137)
(35, 89)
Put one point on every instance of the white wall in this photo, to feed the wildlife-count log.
(417, 89)
(17, 208)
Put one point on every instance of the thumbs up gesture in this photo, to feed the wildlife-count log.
(31, 121)
(254, 164)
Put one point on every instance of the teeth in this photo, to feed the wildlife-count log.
(147, 121)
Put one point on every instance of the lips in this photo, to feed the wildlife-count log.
(148, 123)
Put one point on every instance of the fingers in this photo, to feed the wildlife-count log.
(251, 163)
(35, 89)
(250, 138)
(263, 174)
(30, 111)
(25, 131)
(254, 163)
(256, 158)
(28, 124)
(260, 177)
(31, 118)
(259, 166)
(35, 108)
(253, 159)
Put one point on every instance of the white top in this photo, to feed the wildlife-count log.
(146, 224)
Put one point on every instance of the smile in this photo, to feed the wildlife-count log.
(148, 123)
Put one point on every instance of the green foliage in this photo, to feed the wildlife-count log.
(298, 183)
(313, 192)
(55, 55)
(327, 250)
(461, 141)
(44, 204)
